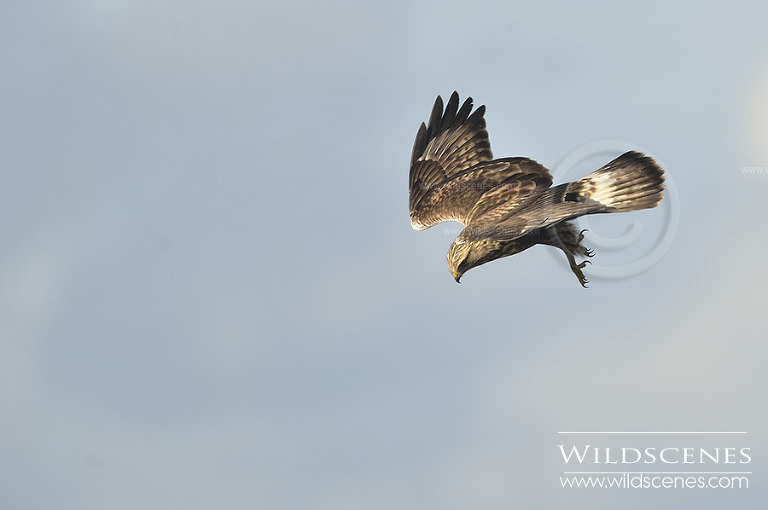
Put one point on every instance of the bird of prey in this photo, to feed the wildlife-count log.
(508, 205)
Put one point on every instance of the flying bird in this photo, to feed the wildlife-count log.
(508, 205)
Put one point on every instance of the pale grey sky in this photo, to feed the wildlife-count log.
(212, 296)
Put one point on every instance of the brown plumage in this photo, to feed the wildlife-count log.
(508, 205)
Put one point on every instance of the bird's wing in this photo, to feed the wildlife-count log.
(521, 215)
(454, 141)
(526, 180)
(454, 199)
(631, 182)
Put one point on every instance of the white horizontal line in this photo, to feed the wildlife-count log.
(657, 472)
(651, 432)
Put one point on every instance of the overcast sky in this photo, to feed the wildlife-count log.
(211, 295)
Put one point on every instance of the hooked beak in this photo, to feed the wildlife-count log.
(456, 276)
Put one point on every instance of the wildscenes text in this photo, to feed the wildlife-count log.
(644, 481)
(669, 455)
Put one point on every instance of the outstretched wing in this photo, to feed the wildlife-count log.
(482, 193)
(521, 188)
(453, 175)
(631, 182)
(454, 141)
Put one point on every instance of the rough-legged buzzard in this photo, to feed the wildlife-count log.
(508, 205)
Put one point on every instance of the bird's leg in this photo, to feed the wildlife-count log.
(576, 268)
(554, 240)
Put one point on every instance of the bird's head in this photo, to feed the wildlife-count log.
(460, 258)
(464, 254)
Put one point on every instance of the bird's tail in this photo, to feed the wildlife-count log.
(631, 182)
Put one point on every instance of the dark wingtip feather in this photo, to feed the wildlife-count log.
(420, 144)
(450, 112)
(434, 119)
(463, 113)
